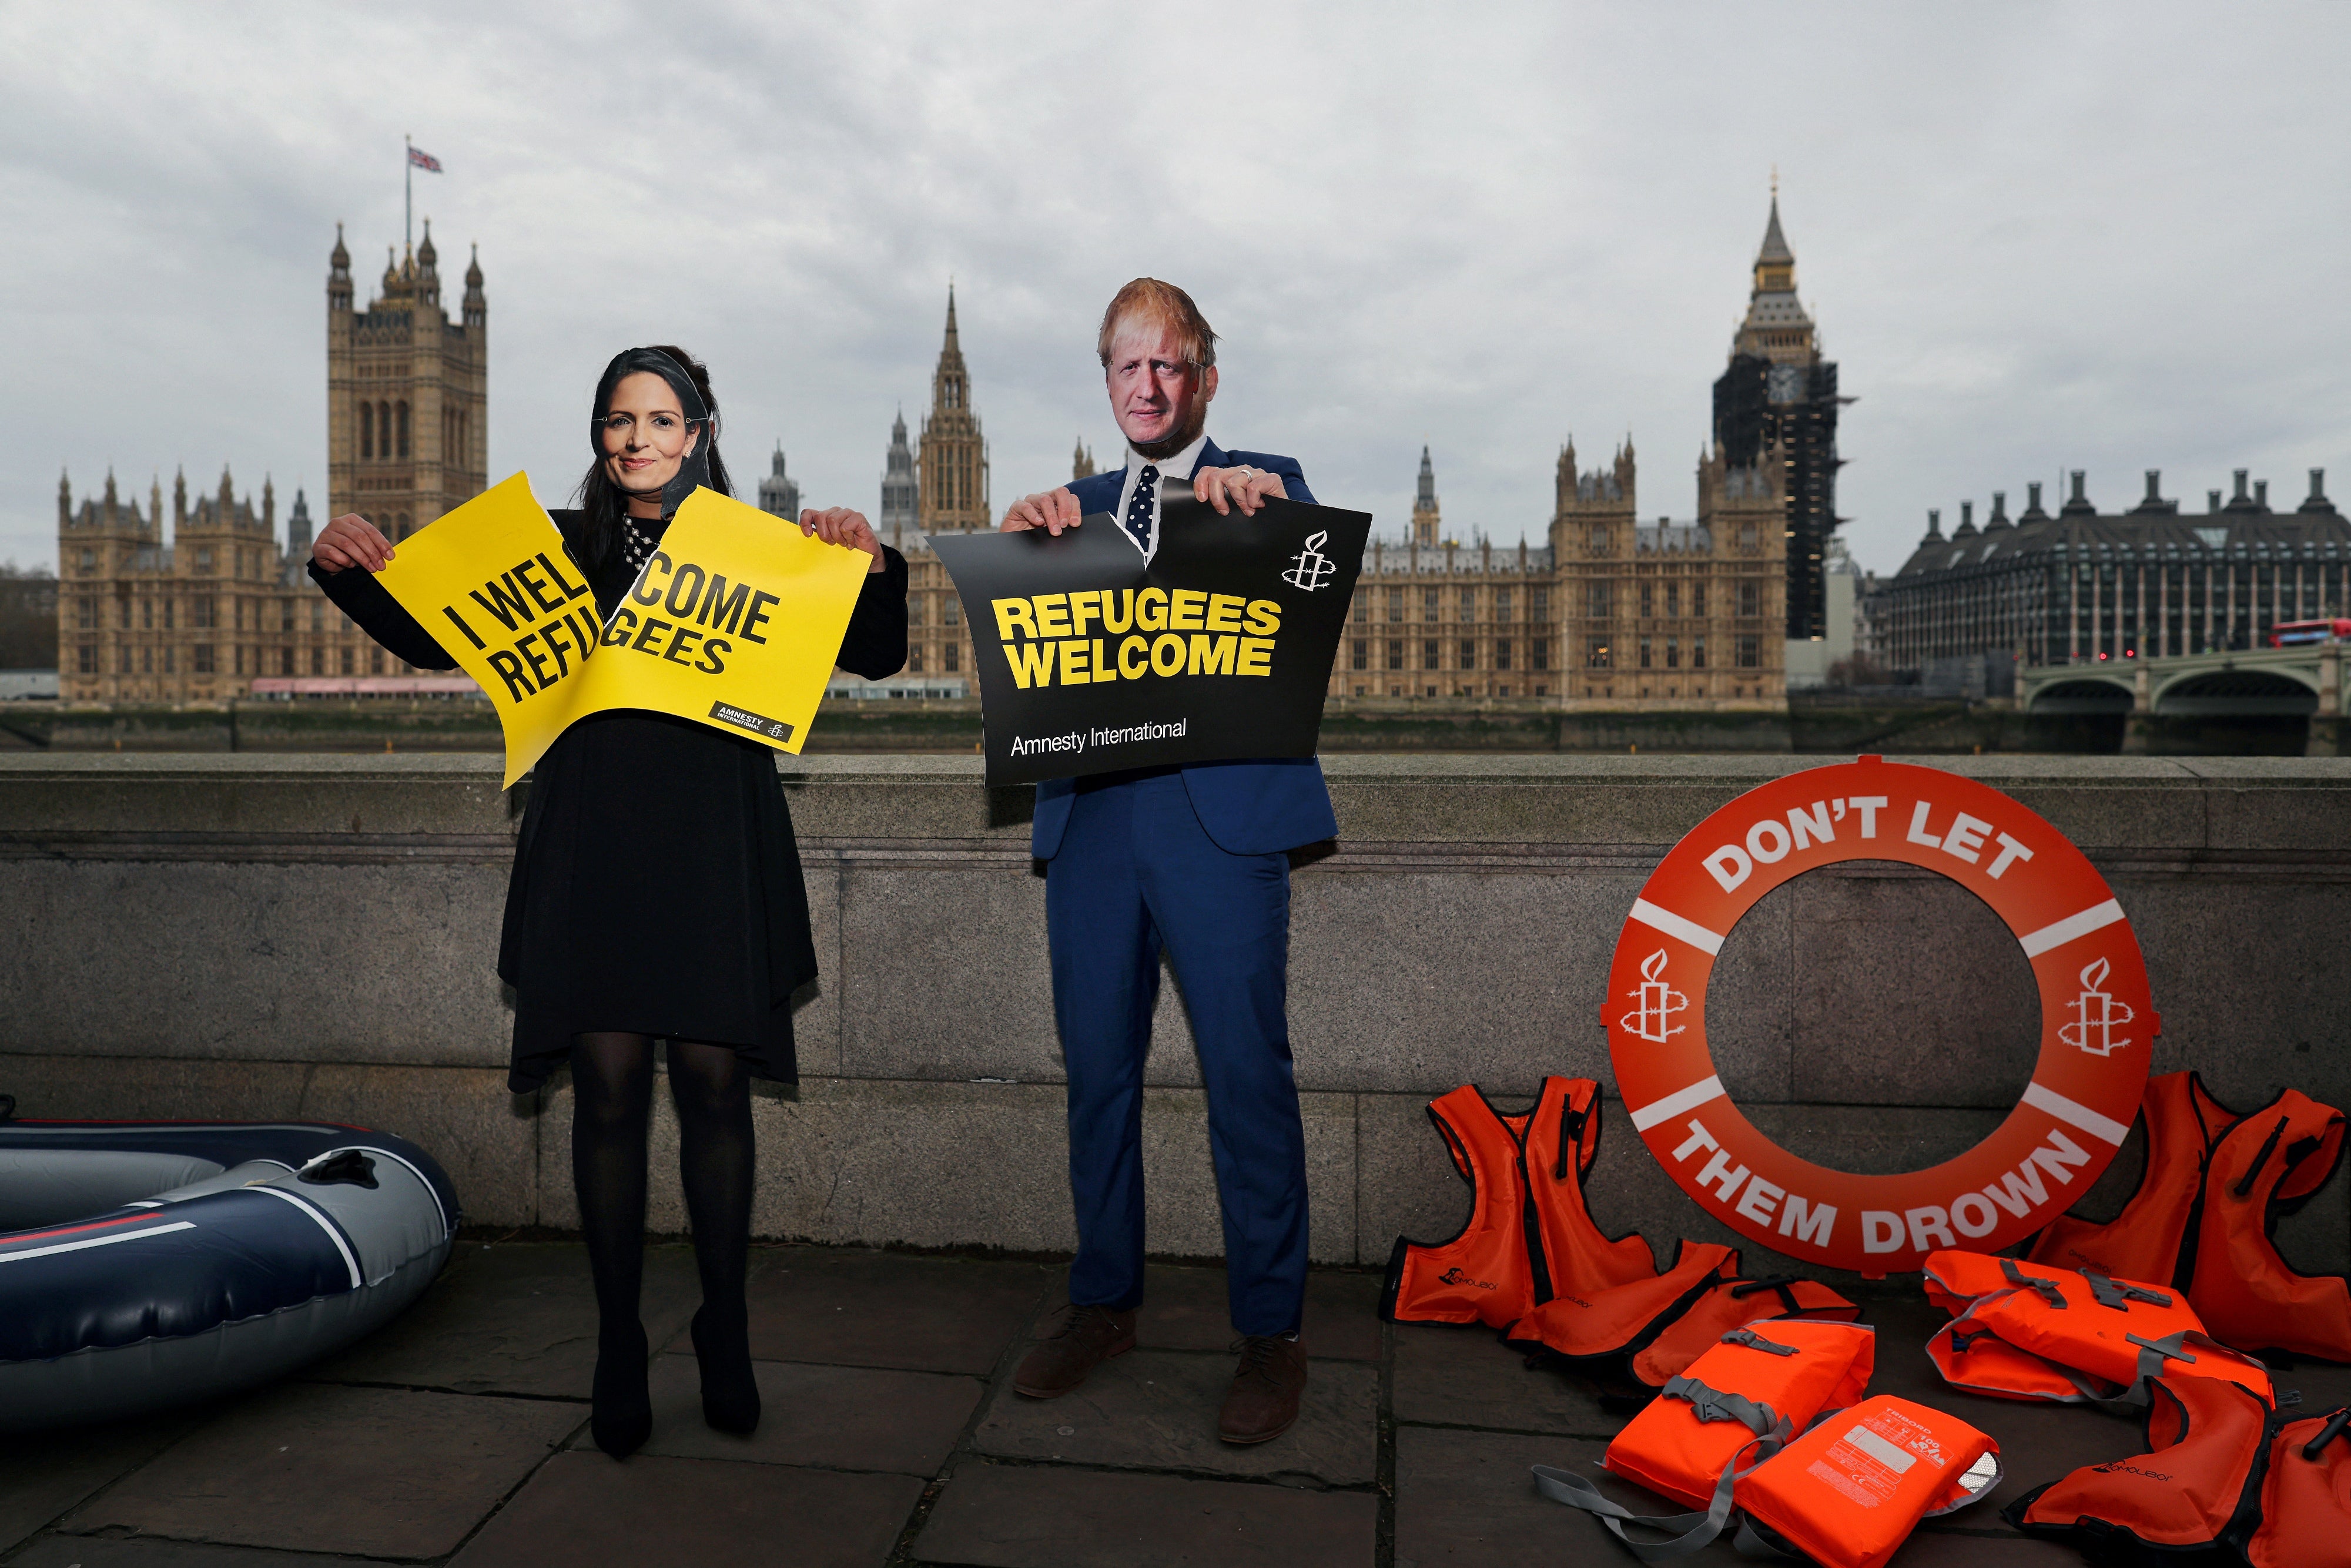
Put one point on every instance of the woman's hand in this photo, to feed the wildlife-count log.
(845, 527)
(350, 541)
(1225, 488)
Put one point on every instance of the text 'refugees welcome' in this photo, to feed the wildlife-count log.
(1129, 635)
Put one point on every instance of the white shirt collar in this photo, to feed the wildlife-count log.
(1179, 466)
(1178, 470)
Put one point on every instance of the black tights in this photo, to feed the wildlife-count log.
(613, 1081)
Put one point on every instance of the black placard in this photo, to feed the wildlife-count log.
(1219, 648)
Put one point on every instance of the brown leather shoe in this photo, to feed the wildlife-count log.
(1263, 1400)
(1088, 1337)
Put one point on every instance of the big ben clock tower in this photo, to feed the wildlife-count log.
(1778, 402)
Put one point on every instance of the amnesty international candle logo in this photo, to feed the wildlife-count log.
(1310, 568)
(1091, 660)
(735, 621)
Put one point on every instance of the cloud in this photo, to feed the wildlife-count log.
(2035, 238)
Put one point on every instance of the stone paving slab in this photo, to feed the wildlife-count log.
(1468, 1377)
(512, 1318)
(1156, 1409)
(317, 1468)
(873, 1309)
(1003, 1516)
(1467, 1497)
(44, 1474)
(655, 1511)
(841, 1418)
(1186, 1309)
(139, 1552)
(1997, 1547)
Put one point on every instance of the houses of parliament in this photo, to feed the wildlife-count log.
(1612, 610)
(223, 603)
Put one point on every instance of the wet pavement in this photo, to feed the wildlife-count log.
(458, 1435)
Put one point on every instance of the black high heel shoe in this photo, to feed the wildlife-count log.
(730, 1393)
(622, 1416)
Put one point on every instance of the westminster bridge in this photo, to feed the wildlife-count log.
(2300, 682)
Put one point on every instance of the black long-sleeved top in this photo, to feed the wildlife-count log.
(657, 886)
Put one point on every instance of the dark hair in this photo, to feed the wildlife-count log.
(602, 502)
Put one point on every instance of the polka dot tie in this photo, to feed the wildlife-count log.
(636, 546)
(1138, 511)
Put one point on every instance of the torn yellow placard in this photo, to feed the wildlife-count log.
(735, 621)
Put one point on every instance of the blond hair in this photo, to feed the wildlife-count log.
(1146, 301)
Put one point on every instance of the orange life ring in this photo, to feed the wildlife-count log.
(2097, 1019)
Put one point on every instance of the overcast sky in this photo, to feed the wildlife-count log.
(2037, 237)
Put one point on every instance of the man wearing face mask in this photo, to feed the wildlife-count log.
(1191, 859)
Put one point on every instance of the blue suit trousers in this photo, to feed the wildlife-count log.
(1135, 871)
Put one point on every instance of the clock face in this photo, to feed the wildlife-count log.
(1785, 383)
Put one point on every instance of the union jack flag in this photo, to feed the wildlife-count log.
(420, 159)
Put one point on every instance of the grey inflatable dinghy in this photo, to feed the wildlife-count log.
(149, 1264)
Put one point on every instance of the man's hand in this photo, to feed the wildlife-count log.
(845, 527)
(1051, 510)
(350, 541)
(1225, 488)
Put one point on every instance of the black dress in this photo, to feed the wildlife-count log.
(657, 885)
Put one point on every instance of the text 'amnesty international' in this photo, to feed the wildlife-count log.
(1081, 739)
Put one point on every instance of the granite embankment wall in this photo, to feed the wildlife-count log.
(311, 937)
(1813, 724)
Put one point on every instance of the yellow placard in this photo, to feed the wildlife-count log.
(734, 622)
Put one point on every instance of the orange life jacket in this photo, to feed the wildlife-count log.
(2215, 1185)
(2222, 1470)
(1679, 1446)
(2205, 1440)
(1529, 1237)
(1848, 1493)
(2306, 1497)
(2029, 1332)
(1628, 1317)
(1740, 1400)
(1730, 1303)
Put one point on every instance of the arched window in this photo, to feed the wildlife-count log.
(367, 430)
(404, 430)
(402, 529)
(383, 429)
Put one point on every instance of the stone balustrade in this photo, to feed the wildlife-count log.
(257, 936)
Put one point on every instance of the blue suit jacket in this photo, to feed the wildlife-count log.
(1246, 808)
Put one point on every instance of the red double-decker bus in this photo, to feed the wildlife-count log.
(2290, 634)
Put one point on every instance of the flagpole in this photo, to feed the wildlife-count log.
(408, 193)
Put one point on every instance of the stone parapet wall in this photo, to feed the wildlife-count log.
(312, 936)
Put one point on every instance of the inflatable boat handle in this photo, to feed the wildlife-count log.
(339, 1168)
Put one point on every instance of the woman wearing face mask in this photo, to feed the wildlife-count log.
(656, 893)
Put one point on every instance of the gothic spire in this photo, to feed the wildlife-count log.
(1777, 327)
(1775, 243)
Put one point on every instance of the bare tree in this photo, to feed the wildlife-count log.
(28, 618)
